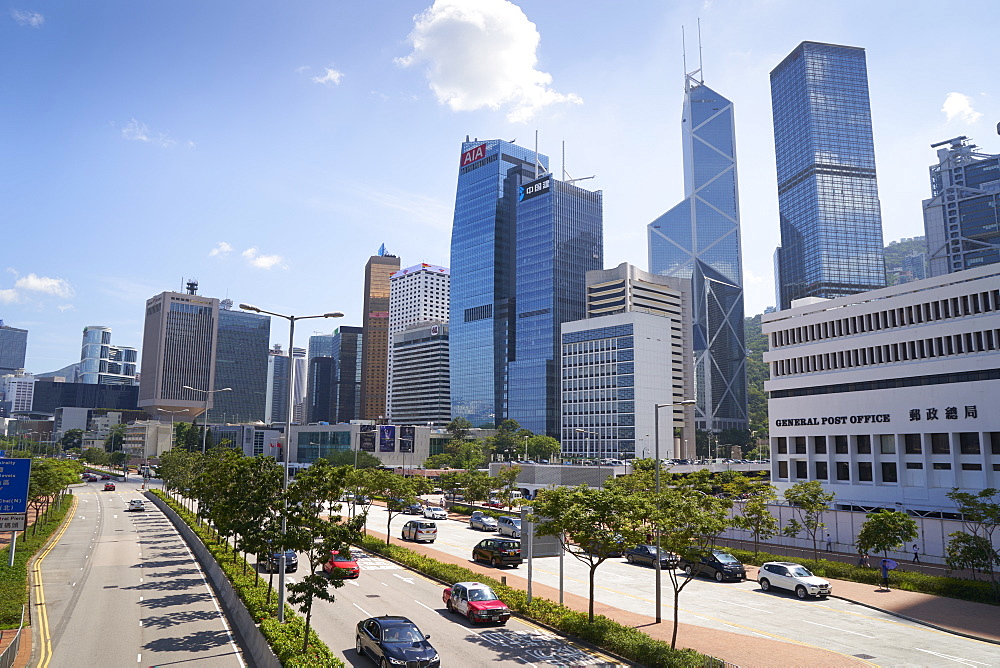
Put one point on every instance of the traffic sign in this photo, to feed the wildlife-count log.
(14, 477)
(13, 521)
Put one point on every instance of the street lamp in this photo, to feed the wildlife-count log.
(656, 455)
(288, 432)
(208, 395)
(525, 447)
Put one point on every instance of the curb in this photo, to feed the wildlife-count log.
(919, 621)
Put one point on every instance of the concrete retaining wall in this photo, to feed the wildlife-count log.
(258, 652)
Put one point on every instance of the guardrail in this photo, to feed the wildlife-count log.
(10, 654)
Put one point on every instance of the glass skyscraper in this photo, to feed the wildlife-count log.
(483, 286)
(559, 238)
(699, 239)
(241, 363)
(831, 224)
(13, 346)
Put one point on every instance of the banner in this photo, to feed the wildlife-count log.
(406, 438)
(387, 438)
(366, 438)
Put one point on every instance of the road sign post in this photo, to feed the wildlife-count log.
(14, 477)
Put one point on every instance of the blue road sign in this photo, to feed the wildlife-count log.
(14, 476)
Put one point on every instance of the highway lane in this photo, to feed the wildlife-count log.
(830, 624)
(122, 589)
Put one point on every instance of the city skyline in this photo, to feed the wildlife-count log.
(216, 149)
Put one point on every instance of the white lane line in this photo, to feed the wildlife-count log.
(750, 607)
(140, 622)
(744, 630)
(367, 614)
(836, 629)
(385, 584)
(426, 606)
(967, 662)
(404, 579)
(140, 599)
(138, 658)
(352, 582)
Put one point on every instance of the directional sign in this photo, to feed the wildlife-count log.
(13, 521)
(14, 476)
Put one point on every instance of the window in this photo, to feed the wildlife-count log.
(940, 445)
(864, 444)
(889, 472)
(968, 443)
(865, 471)
(782, 445)
(911, 444)
(942, 466)
(821, 471)
(994, 442)
(783, 469)
(843, 471)
(819, 445)
(972, 467)
(914, 465)
(887, 444)
(840, 445)
(801, 472)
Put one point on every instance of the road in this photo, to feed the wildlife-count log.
(122, 589)
(741, 607)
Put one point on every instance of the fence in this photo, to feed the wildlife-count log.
(10, 654)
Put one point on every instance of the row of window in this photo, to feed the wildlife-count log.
(864, 470)
(913, 444)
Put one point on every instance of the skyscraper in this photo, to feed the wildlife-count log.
(831, 224)
(559, 238)
(178, 348)
(699, 239)
(102, 363)
(376, 326)
(347, 351)
(962, 217)
(277, 385)
(241, 363)
(13, 346)
(483, 245)
(420, 392)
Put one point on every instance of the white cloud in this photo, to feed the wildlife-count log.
(137, 131)
(330, 76)
(222, 249)
(482, 53)
(263, 261)
(52, 286)
(33, 19)
(959, 106)
(9, 296)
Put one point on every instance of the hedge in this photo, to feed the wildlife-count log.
(603, 632)
(285, 639)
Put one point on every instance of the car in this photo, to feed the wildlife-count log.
(509, 526)
(343, 565)
(135, 504)
(109, 487)
(391, 640)
(420, 531)
(398, 505)
(493, 503)
(720, 565)
(483, 522)
(476, 601)
(435, 513)
(498, 551)
(273, 563)
(413, 509)
(793, 577)
(105, 477)
(646, 554)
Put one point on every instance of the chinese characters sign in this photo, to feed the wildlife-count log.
(14, 476)
(949, 413)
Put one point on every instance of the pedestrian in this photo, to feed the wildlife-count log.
(863, 561)
(829, 543)
(885, 574)
(916, 554)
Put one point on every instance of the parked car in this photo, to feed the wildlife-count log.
(498, 551)
(493, 503)
(793, 577)
(398, 505)
(483, 522)
(273, 562)
(476, 601)
(435, 513)
(420, 531)
(646, 554)
(718, 564)
(109, 487)
(343, 564)
(509, 526)
(135, 504)
(391, 640)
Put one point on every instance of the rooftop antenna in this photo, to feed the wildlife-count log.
(536, 154)
(690, 77)
(565, 174)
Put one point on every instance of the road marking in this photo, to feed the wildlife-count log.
(385, 584)
(404, 579)
(838, 629)
(743, 629)
(967, 662)
(750, 607)
(138, 658)
(140, 599)
(45, 653)
(367, 614)
(140, 622)
(352, 582)
(426, 606)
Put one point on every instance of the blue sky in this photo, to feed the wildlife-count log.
(267, 149)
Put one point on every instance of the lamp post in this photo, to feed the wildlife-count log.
(288, 432)
(525, 447)
(208, 395)
(656, 455)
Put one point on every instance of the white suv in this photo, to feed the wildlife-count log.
(793, 577)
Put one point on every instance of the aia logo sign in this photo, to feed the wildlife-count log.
(473, 154)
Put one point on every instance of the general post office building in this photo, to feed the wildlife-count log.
(891, 397)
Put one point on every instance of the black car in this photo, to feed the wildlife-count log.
(720, 565)
(393, 640)
(646, 554)
(498, 551)
(413, 509)
(274, 562)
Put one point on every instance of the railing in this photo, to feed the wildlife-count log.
(10, 654)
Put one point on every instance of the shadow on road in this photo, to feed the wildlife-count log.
(198, 641)
(172, 600)
(175, 618)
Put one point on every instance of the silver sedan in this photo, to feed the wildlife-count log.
(483, 523)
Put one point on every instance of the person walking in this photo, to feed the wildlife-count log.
(885, 574)
(829, 543)
(916, 554)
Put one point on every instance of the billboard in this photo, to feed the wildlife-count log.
(534, 188)
(386, 438)
(366, 437)
(473, 154)
(406, 438)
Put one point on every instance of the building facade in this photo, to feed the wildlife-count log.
(276, 397)
(102, 363)
(483, 277)
(17, 393)
(394, 445)
(50, 395)
(421, 389)
(559, 238)
(886, 396)
(962, 217)
(699, 240)
(241, 363)
(831, 222)
(375, 322)
(13, 347)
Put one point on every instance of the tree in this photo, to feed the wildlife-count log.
(543, 447)
(885, 530)
(365, 460)
(115, 439)
(506, 441)
(73, 438)
(505, 483)
(391, 486)
(439, 461)
(459, 428)
(809, 501)
(591, 524)
(755, 514)
(974, 547)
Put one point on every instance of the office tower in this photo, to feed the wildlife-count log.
(321, 393)
(632, 352)
(699, 240)
(51, 395)
(483, 240)
(417, 295)
(421, 388)
(962, 217)
(277, 385)
(16, 393)
(320, 345)
(831, 224)
(348, 349)
(102, 363)
(178, 348)
(559, 238)
(376, 326)
(241, 363)
(13, 346)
